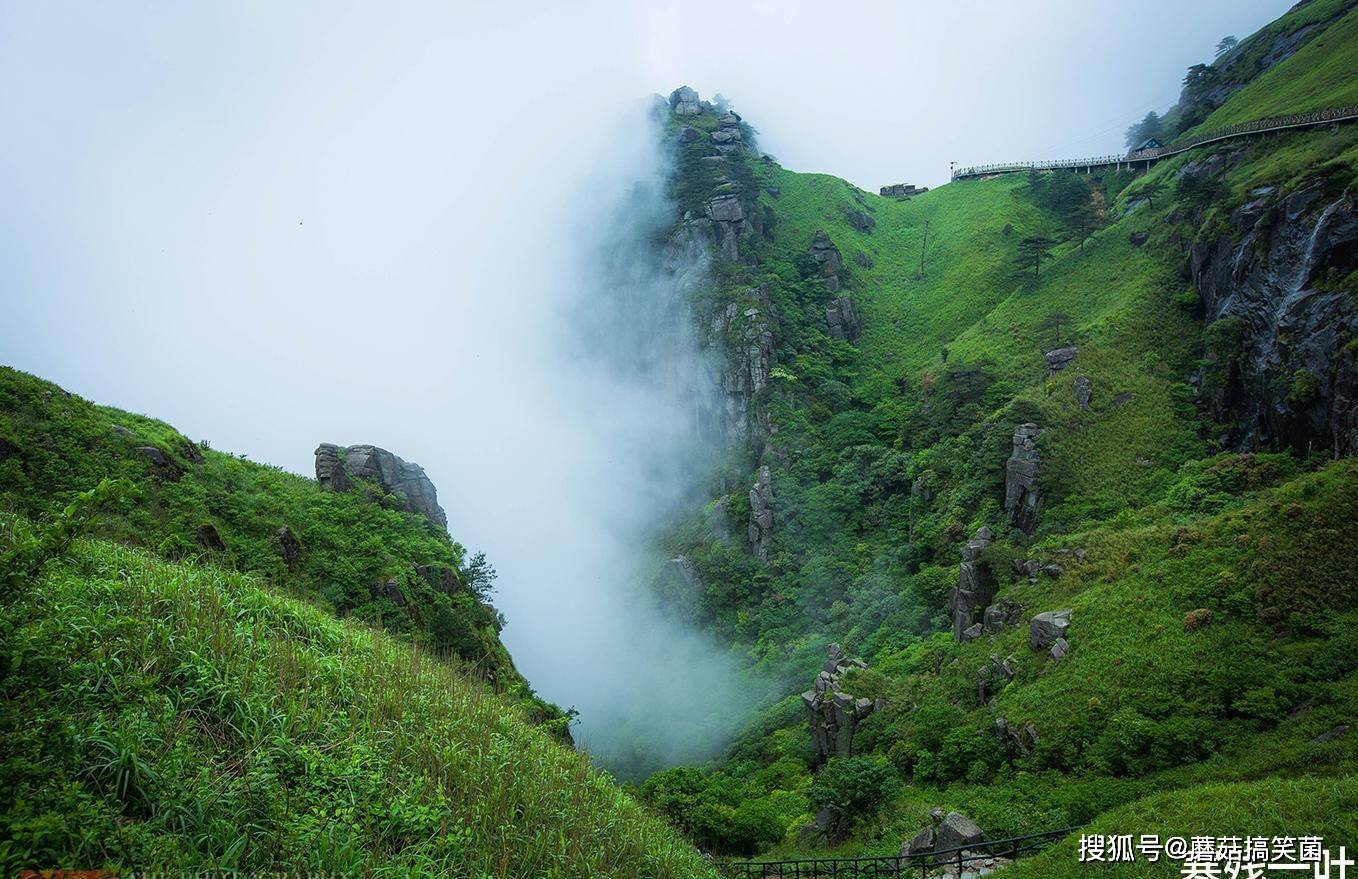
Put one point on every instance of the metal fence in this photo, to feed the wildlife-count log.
(1244, 129)
(951, 861)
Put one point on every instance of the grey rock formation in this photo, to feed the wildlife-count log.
(1047, 628)
(124, 432)
(862, 259)
(1084, 391)
(761, 514)
(390, 589)
(957, 831)
(441, 577)
(745, 338)
(1279, 367)
(827, 256)
(902, 190)
(841, 316)
(975, 588)
(684, 101)
(397, 477)
(1060, 358)
(859, 220)
(991, 677)
(686, 573)
(329, 471)
(289, 547)
(155, 456)
(1017, 740)
(1022, 499)
(920, 842)
(208, 538)
(1000, 616)
(830, 824)
(833, 715)
(1059, 649)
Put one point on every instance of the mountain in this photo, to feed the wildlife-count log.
(207, 662)
(1058, 468)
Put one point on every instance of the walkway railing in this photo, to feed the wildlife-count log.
(952, 861)
(1244, 129)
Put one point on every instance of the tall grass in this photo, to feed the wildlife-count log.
(177, 716)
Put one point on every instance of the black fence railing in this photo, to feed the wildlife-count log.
(1243, 129)
(953, 861)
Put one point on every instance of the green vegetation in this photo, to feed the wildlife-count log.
(1212, 591)
(177, 715)
(201, 503)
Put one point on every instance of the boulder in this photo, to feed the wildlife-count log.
(831, 824)
(971, 633)
(1060, 648)
(1022, 499)
(1047, 628)
(841, 316)
(1138, 239)
(1000, 615)
(289, 547)
(1060, 358)
(920, 842)
(684, 101)
(991, 677)
(957, 831)
(189, 449)
(155, 456)
(123, 431)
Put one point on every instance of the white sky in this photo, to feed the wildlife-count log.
(279, 224)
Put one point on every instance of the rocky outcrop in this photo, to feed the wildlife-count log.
(441, 577)
(761, 514)
(827, 256)
(209, 539)
(1084, 391)
(902, 190)
(859, 220)
(832, 714)
(991, 677)
(1047, 628)
(1001, 615)
(728, 137)
(406, 481)
(390, 589)
(841, 316)
(975, 588)
(1060, 358)
(1280, 367)
(330, 470)
(684, 101)
(289, 547)
(686, 574)
(1022, 499)
(1016, 740)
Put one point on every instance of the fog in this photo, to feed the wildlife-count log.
(419, 225)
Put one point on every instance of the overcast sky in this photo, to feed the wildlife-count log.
(277, 224)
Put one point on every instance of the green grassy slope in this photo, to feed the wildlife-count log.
(57, 444)
(1317, 77)
(1214, 602)
(180, 717)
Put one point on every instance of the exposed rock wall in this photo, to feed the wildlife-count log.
(761, 514)
(397, 477)
(1281, 367)
(841, 316)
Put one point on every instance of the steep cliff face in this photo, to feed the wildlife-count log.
(1278, 292)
